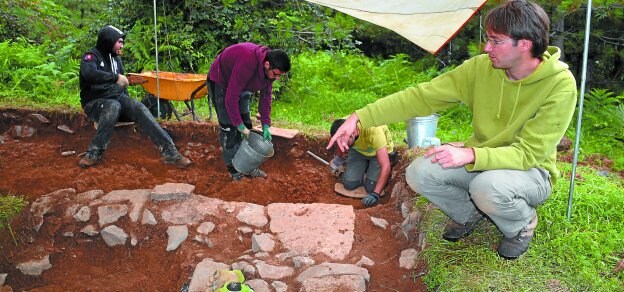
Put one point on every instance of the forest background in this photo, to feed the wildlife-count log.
(340, 63)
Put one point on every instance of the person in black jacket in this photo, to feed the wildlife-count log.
(104, 98)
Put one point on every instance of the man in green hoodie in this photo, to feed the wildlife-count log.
(522, 99)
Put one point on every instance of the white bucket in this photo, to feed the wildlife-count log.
(421, 131)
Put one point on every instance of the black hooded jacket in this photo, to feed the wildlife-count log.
(100, 66)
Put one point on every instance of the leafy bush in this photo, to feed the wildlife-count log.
(29, 72)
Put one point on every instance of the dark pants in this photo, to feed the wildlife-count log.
(361, 170)
(107, 112)
(229, 136)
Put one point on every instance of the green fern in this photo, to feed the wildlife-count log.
(603, 114)
(10, 206)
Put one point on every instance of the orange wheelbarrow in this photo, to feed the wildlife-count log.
(185, 87)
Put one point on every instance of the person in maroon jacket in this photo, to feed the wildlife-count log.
(104, 98)
(238, 71)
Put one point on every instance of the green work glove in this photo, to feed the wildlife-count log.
(266, 133)
(244, 131)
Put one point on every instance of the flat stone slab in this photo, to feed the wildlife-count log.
(172, 191)
(314, 228)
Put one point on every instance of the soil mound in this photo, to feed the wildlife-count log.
(39, 154)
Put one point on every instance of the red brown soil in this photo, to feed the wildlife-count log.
(32, 167)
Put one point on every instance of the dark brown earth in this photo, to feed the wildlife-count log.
(32, 167)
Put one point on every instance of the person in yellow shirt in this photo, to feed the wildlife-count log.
(367, 162)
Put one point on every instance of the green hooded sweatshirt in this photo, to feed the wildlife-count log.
(516, 124)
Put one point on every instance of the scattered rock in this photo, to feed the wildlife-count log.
(148, 218)
(408, 258)
(89, 195)
(301, 261)
(65, 129)
(267, 271)
(332, 269)
(364, 261)
(191, 211)
(171, 191)
(202, 273)
(405, 209)
(111, 213)
(83, 214)
(258, 285)
(206, 227)
(177, 234)
(379, 222)
(408, 226)
(40, 118)
(35, 267)
(253, 214)
(22, 131)
(279, 286)
(114, 235)
(564, 144)
(262, 242)
(245, 229)
(89, 230)
(137, 199)
(355, 283)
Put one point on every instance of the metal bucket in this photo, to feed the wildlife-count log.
(421, 131)
(252, 152)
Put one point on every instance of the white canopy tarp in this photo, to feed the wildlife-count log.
(428, 24)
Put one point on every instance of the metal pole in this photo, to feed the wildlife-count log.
(318, 158)
(157, 79)
(580, 112)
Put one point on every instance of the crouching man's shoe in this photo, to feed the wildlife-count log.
(179, 161)
(512, 248)
(453, 231)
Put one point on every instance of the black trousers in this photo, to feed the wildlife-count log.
(107, 112)
(229, 137)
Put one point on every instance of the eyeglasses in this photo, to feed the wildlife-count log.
(495, 43)
(276, 74)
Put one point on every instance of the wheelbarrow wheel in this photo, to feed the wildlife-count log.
(151, 102)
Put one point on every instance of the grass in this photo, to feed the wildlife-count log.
(10, 206)
(576, 255)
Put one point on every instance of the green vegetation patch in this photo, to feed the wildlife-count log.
(10, 206)
(576, 255)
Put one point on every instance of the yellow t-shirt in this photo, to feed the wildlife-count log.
(372, 139)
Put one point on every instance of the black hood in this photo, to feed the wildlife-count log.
(107, 37)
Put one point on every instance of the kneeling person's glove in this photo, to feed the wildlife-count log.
(266, 133)
(337, 166)
(244, 131)
(371, 199)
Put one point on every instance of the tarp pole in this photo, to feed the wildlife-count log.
(580, 111)
(157, 79)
